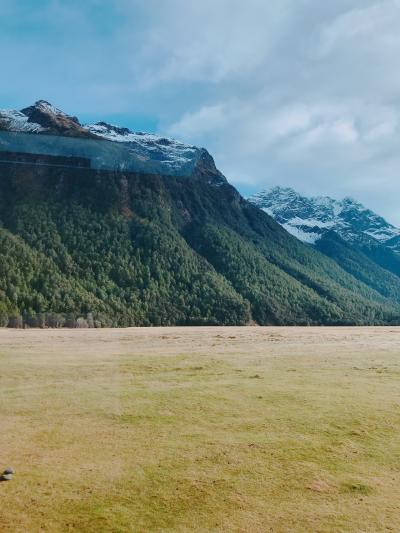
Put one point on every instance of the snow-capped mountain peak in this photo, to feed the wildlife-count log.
(45, 107)
(54, 121)
(17, 121)
(42, 117)
(167, 151)
(121, 134)
(128, 150)
(110, 131)
(308, 218)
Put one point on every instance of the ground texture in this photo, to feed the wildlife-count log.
(201, 429)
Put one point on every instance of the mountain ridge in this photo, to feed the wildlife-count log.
(134, 151)
(308, 218)
(357, 239)
(153, 244)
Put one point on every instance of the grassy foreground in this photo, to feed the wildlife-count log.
(201, 429)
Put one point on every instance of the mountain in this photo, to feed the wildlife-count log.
(42, 118)
(310, 218)
(60, 134)
(360, 241)
(102, 226)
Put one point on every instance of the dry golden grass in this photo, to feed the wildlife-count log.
(201, 429)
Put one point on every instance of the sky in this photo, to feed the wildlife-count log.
(299, 93)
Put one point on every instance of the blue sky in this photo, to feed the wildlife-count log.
(300, 93)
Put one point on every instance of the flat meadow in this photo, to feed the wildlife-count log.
(204, 429)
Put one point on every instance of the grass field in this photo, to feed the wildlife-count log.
(201, 429)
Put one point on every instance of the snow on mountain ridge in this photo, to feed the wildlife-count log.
(46, 107)
(168, 151)
(121, 134)
(145, 152)
(309, 218)
(18, 122)
(21, 121)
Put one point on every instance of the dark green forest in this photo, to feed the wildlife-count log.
(84, 248)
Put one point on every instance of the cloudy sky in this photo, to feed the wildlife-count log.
(301, 93)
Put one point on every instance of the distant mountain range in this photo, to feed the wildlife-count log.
(102, 226)
(358, 239)
(310, 218)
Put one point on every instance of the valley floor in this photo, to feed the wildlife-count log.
(201, 429)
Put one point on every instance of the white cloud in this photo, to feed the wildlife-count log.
(364, 25)
(210, 41)
(382, 130)
(208, 119)
(297, 92)
(341, 131)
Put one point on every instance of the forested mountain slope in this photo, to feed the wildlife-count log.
(95, 246)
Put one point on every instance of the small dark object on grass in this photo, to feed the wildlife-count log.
(7, 475)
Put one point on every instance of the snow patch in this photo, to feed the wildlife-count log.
(305, 236)
(311, 222)
(268, 211)
(17, 121)
(170, 152)
(309, 218)
(49, 108)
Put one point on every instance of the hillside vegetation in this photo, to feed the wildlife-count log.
(95, 248)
